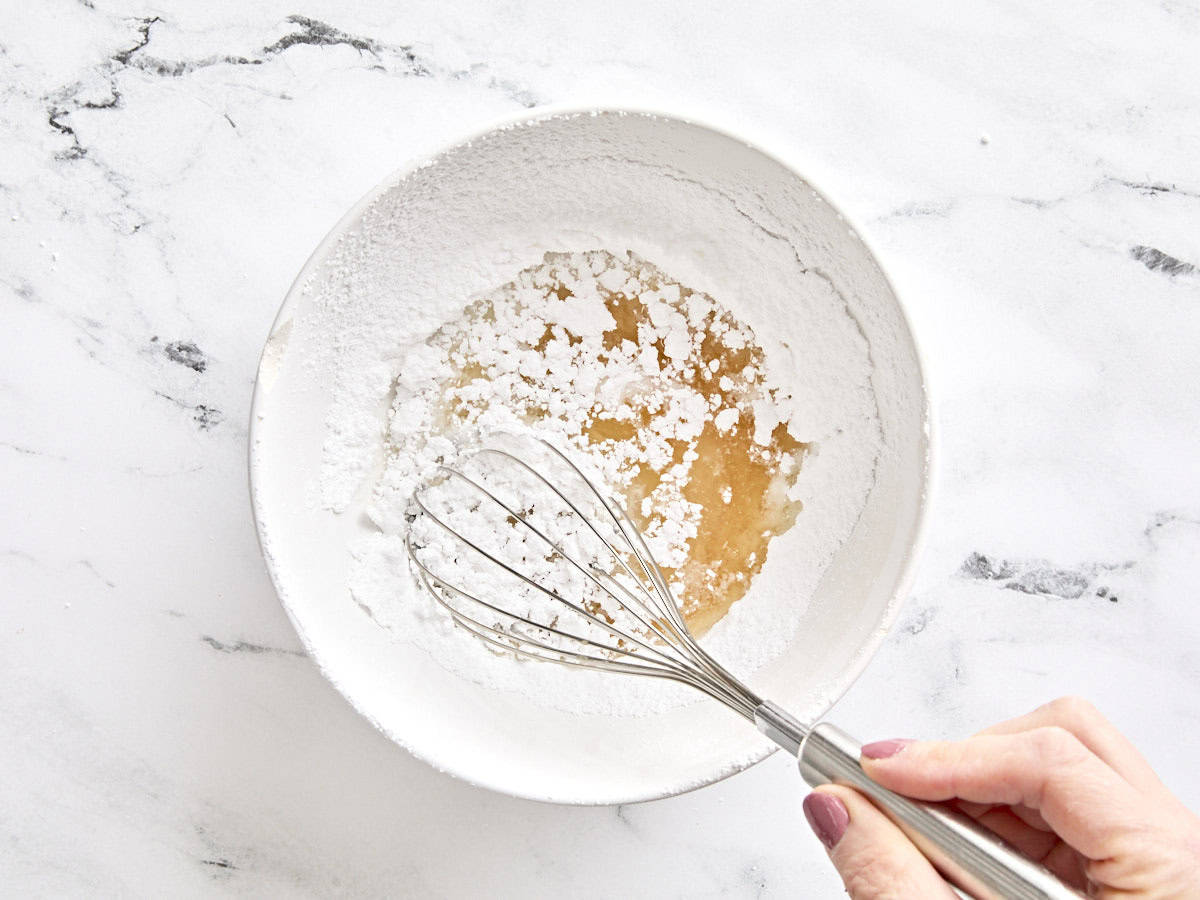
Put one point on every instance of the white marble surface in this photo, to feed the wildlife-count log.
(1026, 169)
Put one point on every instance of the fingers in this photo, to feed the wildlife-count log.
(1095, 732)
(1047, 769)
(874, 858)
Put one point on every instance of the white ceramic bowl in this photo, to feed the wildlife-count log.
(594, 173)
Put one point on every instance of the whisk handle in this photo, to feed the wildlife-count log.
(966, 853)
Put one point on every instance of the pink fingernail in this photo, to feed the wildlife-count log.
(884, 749)
(827, 817)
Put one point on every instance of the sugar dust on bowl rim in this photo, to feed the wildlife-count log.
(343, 392)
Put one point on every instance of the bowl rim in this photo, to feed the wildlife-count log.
(745, 136)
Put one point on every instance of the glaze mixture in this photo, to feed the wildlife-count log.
(653, 382)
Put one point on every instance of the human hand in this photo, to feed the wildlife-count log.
(1060, 784)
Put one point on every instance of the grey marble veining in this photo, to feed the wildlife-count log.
(1028, 175)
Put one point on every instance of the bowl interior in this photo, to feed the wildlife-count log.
(753, 230)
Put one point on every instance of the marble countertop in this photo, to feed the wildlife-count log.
(1028, 173)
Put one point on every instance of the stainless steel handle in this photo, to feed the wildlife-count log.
(966, 853)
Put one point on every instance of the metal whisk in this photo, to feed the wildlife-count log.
(560, 585)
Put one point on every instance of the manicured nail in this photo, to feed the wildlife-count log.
(884, 749)
(827, 817)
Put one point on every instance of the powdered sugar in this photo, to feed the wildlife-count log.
(390, 348)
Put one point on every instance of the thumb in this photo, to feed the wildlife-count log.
(871, 854)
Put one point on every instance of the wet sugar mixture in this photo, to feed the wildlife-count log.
(656, 385)
(735, 423)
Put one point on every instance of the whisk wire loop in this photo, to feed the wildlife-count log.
(654, 639)
(552, 594)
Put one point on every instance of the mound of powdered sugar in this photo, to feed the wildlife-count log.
(380, 332)
(522, 360)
